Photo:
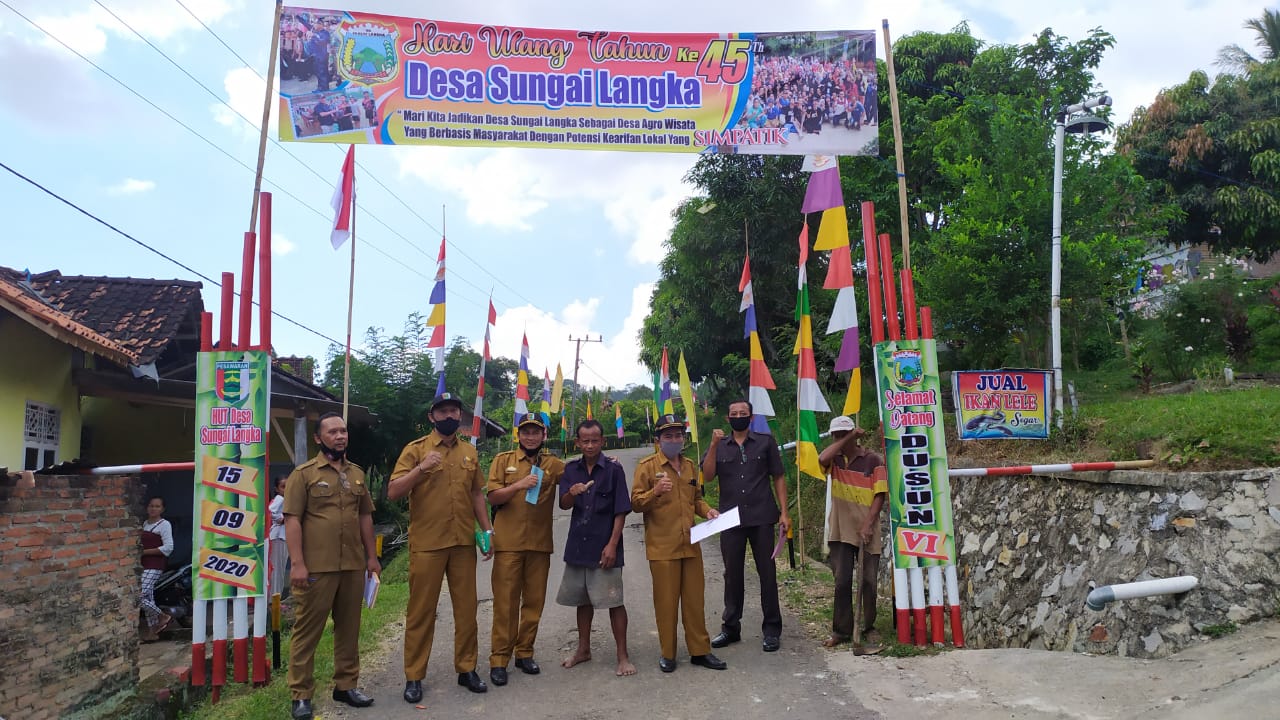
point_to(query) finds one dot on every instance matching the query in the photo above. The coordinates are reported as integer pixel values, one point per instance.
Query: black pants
(844, 557)
(733, 549)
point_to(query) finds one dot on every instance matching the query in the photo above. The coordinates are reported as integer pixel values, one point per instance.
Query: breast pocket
(321, 496)
(604, 502)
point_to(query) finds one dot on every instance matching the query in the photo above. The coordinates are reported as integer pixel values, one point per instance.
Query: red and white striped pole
(1051, 468)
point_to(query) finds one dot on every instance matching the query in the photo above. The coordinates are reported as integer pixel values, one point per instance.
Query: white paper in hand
(704, 530)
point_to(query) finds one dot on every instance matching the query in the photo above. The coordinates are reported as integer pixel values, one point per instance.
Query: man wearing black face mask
(522, 489)
(745, 462)
(442, 479)
(329, 530)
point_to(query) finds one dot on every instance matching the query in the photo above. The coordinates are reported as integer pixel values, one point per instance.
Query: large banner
(1001, 404)
(355, 77)
(233, 391)
(910, 396)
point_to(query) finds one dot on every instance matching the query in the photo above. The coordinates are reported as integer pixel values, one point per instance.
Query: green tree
(1236, 60)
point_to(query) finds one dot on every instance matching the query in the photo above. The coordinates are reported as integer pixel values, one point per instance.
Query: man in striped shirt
(858, 491)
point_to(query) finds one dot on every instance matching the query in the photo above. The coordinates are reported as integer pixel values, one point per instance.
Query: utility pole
(577, 360)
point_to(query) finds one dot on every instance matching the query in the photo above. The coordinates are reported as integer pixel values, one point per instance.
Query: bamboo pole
(273, 59)
(897, 147)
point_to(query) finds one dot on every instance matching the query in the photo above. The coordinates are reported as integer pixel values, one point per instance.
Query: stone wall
(68, 593)
(1031, 549)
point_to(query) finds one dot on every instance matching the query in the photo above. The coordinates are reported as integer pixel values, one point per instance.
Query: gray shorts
(590, 586)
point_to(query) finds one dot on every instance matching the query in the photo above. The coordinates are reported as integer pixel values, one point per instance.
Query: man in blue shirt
(595, 488)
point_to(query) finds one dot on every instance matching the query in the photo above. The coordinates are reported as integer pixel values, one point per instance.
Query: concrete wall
(69, 596)
(1031, 548)
(34, 367)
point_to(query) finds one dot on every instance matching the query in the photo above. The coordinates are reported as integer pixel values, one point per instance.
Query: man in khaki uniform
(522, 545)
(666, 491)
(328, 519)
(442, 478)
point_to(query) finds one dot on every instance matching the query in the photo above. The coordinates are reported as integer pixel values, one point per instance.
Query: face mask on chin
(739, 423)
(447, 426)
(335, 455)
(532, 453)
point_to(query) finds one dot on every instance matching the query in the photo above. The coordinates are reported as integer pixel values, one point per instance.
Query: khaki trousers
(519, 583)
(427, 571)
(677, 590)
(342, 595)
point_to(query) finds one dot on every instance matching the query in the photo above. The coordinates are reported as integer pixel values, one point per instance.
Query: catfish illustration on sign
(993, 422)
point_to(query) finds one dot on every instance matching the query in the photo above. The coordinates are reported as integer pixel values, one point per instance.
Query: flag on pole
(617, 417)
(484, 359)
(687, 399)
(557, 390)
(809, 397)
(435, 320)
(761, 382)
(657, 393)
(545, 410)
(590, 416)
(664, 396)
(522, 383)
(833, 234)
(344, 200)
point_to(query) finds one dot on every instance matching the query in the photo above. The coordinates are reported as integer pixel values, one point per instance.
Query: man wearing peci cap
(666, 492)
(858, 491)
(522, 490)
(442, 479)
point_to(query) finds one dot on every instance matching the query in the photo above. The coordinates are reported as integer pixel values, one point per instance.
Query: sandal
(164, 623)
(834, 640)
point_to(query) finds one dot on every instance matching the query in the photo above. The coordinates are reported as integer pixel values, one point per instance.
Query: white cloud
(84, 25)
(614, 361)
(244, 95)
(131, 186)
(64, 95)
(281, 245)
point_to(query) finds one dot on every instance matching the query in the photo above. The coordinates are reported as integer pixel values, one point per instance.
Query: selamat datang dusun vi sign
(354, 77)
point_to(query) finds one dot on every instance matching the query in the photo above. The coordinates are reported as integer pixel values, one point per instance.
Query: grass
(241, 702)
(808, 593)
(1220, 630)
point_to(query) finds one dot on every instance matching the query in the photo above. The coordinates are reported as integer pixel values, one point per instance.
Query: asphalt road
(794, 682)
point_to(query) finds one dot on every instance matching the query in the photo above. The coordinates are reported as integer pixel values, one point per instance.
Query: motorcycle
(173, 594)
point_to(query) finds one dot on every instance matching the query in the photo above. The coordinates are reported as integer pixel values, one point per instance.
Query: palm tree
(1238, 61)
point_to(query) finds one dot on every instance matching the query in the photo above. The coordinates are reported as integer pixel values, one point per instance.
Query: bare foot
(577, 659)
(625, 667)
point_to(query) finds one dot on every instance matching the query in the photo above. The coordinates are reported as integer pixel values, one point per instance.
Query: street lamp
(1078, 124)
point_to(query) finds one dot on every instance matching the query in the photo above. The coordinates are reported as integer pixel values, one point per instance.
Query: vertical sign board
(1001, 404)
(233, 391)
(910, 398)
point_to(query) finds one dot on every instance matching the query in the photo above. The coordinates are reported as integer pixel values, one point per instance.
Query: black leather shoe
(498, 676)
(667, 666)
(528, 666)
(413, 691)
(352, 697)
(708, 661)
(771, 644)
(471, 681)
(301, 710)
(725, 639)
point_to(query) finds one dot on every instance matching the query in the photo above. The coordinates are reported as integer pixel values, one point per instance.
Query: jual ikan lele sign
(1001, 404)
(354, 77)
(910, 397)
(232, 396)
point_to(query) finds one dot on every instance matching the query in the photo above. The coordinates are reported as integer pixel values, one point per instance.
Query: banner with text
(355, 77)
(1001, 404)
(233, 391)
(909, 391)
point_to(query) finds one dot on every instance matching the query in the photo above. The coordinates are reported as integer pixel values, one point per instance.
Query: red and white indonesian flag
(344, 197)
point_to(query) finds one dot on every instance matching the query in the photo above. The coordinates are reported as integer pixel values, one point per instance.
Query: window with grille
(41, 434)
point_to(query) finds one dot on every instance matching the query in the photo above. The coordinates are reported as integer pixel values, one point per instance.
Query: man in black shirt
(745, 462)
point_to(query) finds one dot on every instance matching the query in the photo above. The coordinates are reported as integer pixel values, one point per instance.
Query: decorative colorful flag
(617, 418)
(590, 415)
(344, 200)
(657, 393)
(760, 382)
(558, 390)
(484, 359)
(687, 399)
(435, 320)
(522, 382)
(664, 397)
(545, 410)
(809, 397)
(833, 235)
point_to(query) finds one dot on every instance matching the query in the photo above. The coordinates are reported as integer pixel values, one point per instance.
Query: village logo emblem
(232, 381)
(368, 53)
(907, 368)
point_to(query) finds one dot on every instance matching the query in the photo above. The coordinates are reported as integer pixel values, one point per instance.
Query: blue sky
(569, 241)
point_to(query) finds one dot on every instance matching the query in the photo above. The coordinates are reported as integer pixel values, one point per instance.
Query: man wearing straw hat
(666, 492)
(442, 479)
(858, 491)
(521, 490)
